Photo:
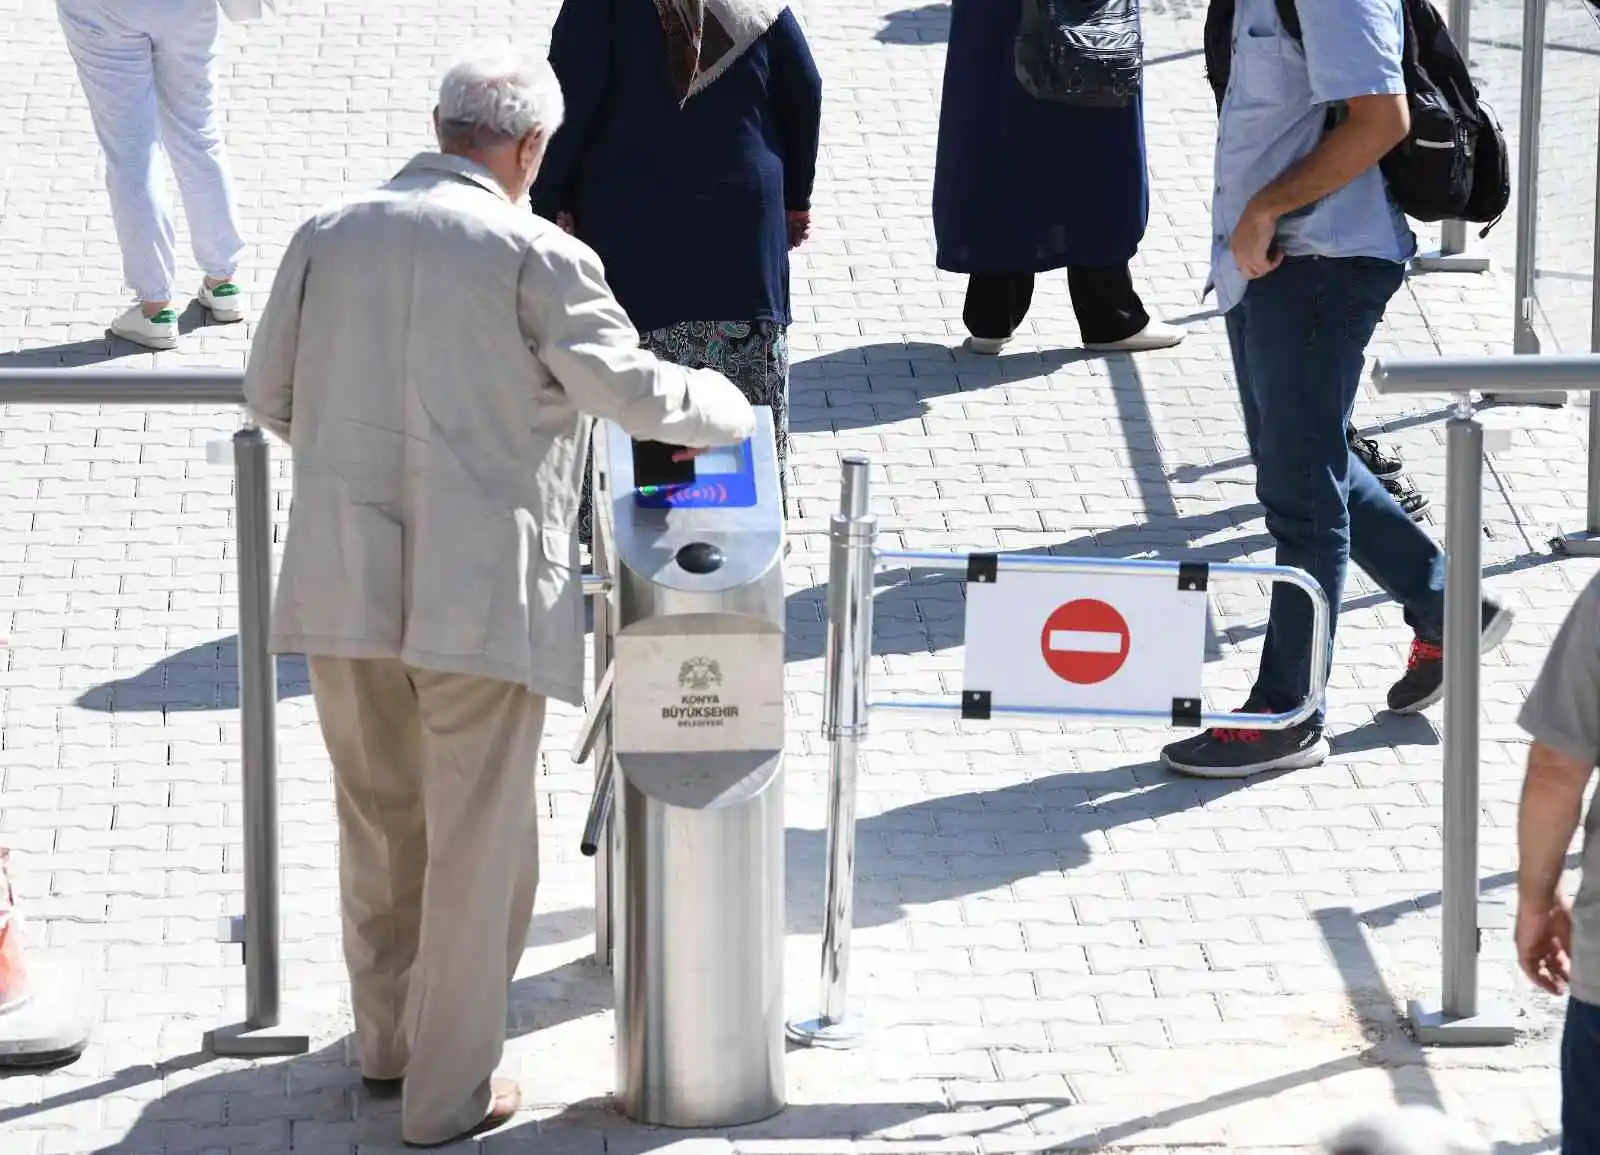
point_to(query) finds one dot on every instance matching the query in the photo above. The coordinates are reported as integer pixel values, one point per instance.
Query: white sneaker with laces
(224, 301)
(155, 332)
(1155, 335)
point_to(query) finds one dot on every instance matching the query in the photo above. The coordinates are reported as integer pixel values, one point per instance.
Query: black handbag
(1083, 52)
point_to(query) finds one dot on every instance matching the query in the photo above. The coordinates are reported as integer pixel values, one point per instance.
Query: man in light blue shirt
(1307, 249)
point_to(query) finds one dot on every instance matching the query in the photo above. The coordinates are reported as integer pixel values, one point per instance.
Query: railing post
(1459, 1021)
(1587, 543)
(1452, 256)
(258, 701)
(1524, 337)
(852, 568)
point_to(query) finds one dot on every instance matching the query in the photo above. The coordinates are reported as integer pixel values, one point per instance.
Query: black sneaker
(1411, 499)
(1423, 682)
(1241, 753)
(1384, 463)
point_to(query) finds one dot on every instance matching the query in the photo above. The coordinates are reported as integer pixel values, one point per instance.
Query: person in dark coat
(687, 162)
(1023, 186)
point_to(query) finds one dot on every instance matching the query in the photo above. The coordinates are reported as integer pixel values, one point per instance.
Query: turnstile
(687, 727)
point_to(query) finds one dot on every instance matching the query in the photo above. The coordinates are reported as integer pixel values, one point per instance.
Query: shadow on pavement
(881, 384)
(929, 24)
(72, 354)
(950, 847)
(203, 677)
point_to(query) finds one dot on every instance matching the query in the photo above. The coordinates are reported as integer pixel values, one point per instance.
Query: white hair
(497, 93)
(1409, 1130)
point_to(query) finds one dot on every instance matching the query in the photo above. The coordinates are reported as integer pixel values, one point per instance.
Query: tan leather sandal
(505, 1099)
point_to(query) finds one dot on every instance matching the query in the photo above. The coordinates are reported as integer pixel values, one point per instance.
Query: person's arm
(269, 372)
(1562, 715)
(580, 54)
(577, 328)
(797, 101)
(1552, 805)
(1353, 57)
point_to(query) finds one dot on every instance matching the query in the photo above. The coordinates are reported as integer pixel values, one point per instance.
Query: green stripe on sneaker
(165, 317)
(226, 289)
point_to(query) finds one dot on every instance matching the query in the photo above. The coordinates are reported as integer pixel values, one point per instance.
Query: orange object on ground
(13, 966)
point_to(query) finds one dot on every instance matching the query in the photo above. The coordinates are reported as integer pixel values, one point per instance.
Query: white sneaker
(1155, 335)
(157, 332)
(987, 346)
(224, 301)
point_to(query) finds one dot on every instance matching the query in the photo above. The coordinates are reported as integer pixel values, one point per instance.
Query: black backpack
(1453, 163)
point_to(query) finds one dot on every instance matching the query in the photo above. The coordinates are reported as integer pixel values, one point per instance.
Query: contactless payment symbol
(1084, 641)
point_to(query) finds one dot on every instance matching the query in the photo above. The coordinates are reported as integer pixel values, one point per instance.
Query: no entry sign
(1085, 641)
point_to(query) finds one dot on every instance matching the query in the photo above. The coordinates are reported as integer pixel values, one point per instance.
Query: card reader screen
(723, 477)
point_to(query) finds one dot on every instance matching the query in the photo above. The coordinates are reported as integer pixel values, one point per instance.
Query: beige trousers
(438, 861)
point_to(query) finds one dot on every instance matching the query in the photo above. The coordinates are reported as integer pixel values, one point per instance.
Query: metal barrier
(854, 560)
(257, 932)
(1459, 1019)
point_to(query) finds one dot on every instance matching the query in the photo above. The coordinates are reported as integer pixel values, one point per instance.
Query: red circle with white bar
(1084, 642)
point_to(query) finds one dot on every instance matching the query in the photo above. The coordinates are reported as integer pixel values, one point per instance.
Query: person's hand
(688, 454)
(1544, 943)
(1252, 245)
(565, 222)
(799, 229)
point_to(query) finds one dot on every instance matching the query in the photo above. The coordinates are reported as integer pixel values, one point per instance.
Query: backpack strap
(1289, 16)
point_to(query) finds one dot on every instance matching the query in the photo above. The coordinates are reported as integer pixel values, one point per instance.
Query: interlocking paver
(1063, 947)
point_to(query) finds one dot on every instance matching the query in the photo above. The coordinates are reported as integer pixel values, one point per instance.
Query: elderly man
(1558, 944)
(430, 350)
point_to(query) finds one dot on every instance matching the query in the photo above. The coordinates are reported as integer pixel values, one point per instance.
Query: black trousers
(1107, 307)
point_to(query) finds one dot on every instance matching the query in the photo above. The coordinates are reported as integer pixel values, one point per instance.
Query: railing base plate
(1451, 263)
(1576, 544)
(246, 1042)
(839, 1036)
(1490, 1027)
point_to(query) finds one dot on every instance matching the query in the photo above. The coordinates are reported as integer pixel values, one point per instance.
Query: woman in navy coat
(686, 162)
(1024, 186)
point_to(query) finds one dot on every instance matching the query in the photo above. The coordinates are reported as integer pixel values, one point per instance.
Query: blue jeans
(1299, 340)
(1580, 1080)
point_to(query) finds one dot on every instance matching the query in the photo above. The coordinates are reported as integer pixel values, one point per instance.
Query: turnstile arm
(588, 734)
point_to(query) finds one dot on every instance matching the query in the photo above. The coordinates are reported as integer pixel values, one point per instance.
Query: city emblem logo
(699, 675)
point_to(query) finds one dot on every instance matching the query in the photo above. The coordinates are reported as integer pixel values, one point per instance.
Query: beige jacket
(430, 350)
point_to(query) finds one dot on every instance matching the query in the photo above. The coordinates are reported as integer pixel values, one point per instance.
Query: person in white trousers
(148, 68)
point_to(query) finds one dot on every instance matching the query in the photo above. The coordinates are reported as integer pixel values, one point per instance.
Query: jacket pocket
(555, 544)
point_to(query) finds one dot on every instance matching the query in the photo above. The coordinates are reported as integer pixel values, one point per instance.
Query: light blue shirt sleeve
(1353, 47)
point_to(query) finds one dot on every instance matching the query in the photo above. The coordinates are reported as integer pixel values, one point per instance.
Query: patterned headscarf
(705, 36)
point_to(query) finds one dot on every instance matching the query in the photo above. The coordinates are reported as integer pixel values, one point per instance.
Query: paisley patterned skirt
(754, 355)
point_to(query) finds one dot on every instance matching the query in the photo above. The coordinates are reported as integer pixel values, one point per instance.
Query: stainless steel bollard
(258, 709)
(1459, 1021)
(852, 568)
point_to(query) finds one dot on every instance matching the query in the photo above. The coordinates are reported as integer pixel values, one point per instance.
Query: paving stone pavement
(1060, 945)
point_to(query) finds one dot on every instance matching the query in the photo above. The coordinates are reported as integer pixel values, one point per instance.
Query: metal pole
(1459, 1021)
(1452, 255)
(258, 705)
(1587, 542)
(852, 567)
(605, 848)
(1524, 338)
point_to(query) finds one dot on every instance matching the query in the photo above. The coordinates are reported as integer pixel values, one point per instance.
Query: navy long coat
(1021, 185)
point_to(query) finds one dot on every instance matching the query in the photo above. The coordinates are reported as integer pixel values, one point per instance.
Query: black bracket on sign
(975, 705)
(1193, 576)
(1186, 712)
(983, 568)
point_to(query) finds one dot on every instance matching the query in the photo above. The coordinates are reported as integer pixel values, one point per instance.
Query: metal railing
(1453, 255)
(1459, 1019)
(258, 931)
(853, 562)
